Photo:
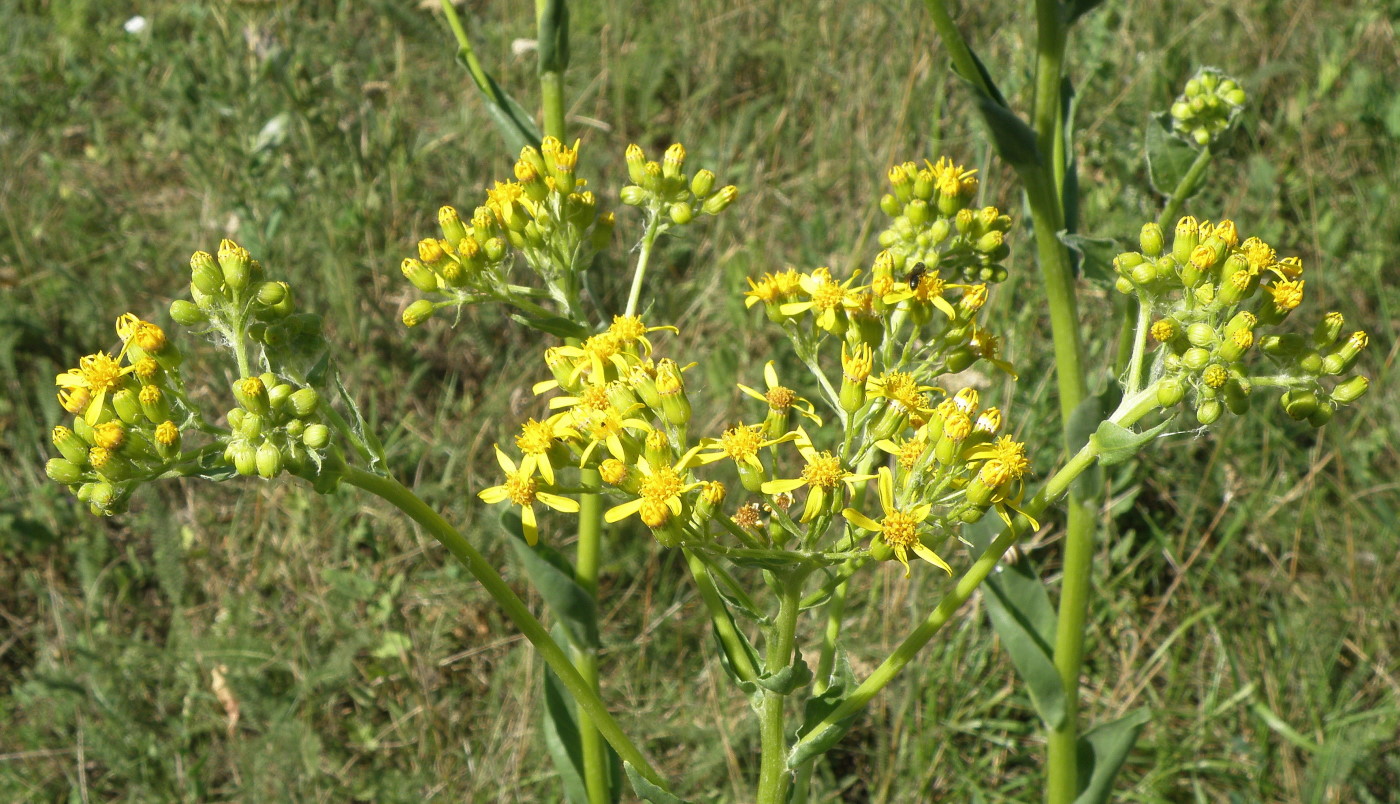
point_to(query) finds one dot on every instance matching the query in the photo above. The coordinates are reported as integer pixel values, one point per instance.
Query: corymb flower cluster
(1210, 104)
(129, 413)
(936, 463)
(132, 412)
(1214, 299)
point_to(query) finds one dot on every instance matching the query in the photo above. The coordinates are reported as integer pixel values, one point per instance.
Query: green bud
(1202, 334)
(100, 495)
(1237, 396)
(62, 470)
(1170, 392)
(269, 460)
(154, 404)
(278, 395)
(1124, 263)
(1299, 404)
(917, 212)
(1151, 239)
(1144, 273)
(304, 402)
(681, 213)
(419, 275)
(250, 425)
(452, 228)
(187, 313)
(1322, 415)
(1328, 330)
(1209, 411)
(205, 273)
(418, 312)
(1195, 358)
(1350, 390)
(1185, 240)
(495, 249)
(235, 262)
(718, 202)
(1344, 355)
(317, 436)
(70, 446)
(633, 196)
(270, 293)
(1123, 285)
(127, 406)
(703, 183)
(251, 393)
(636, 164)
(243, 456)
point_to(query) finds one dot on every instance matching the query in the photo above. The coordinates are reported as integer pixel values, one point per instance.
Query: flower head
(520, 488)
(899, 528)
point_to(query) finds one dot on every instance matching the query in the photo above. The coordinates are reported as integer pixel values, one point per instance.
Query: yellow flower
(898, 528)
(830, 300)
(629, 329)
(823, 475)
(779, 398)
(520, 488)
(85, 388)
(659, 492)
(535, 441)
(740, 444)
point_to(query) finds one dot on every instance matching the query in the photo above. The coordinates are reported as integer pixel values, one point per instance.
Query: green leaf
(647, 791)
(362, 436)
(1094, 256)
(1021, 613)
(515, 124)
(817, 707)
(1011, 136)
(553, 40)
(1101, 753)
(787, 680)
(1083, 423)
(554, 325)
(1117, 444)
(561, 736)
(1168, 158)
(728, 661)
(553, 577)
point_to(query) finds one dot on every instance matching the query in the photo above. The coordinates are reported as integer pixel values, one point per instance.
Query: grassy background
(1244, 590)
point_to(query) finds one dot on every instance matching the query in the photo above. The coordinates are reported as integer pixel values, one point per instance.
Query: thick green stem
(719, 618)
(1132, 409)
(514, 608)
(552, 96)
(773, 774)
(590, 532)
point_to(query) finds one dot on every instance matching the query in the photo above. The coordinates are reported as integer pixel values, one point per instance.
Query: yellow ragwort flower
(520, 488)
(898, 528)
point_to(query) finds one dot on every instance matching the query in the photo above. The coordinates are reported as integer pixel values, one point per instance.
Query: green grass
(1244, 588)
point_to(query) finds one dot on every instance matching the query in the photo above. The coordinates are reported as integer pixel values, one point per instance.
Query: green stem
(1062, 759)
(773, 774)
(551, 22)
(643, 257)
(590, 531)
(588, 701)
(1132, 409)
(719, 618)
(552, 96)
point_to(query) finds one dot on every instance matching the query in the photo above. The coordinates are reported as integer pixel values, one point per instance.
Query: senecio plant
(868, 456)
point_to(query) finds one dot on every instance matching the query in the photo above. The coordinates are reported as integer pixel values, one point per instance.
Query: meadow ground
(1244, 586)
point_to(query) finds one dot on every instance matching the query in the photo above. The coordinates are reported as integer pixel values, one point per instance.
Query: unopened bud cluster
(1208, 107)
(231, 295)
(1214, 298)
(546, 215)
(129, 411)
(276, 427)
(934, 224)
(668, 191)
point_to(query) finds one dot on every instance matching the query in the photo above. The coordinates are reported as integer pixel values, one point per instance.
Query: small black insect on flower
(916, 274)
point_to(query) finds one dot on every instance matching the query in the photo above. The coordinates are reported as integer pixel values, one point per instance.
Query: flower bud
(187, 313)
(1237, 396)
(1322, 415)
(100, 495)
(269, 460)
(673, 162)
(70, 446)
(251, 393)
(1151, 239)
(61, 470)
(167, 440)
(718, 202)
(303, 402)
(205, 273)
(418, 312)
(495, 249)
(1344, 355)
(127, 406)
(703, 183)
(675, 407)
(451, 223)
(636, 163)
(316, 436)
(1170, 392)
(243, 456)
(681, 213)
(1328, 330)
(917, 212)
(109, 464)
(278, 395)
(1186, 238)
(1299, 404)
(154, 404)
(1350, 390)
(1195, 358)
(1209, 411)
(234, 262)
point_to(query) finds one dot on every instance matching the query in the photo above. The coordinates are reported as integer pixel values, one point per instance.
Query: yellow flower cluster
(1213, 295)
(124, 407)
(545, 214)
